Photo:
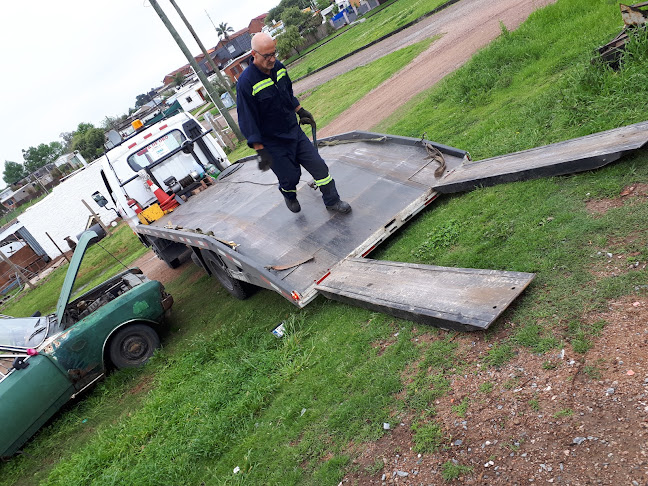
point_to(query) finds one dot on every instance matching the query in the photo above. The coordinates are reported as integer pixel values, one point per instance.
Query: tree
(37, 157)
(322, 4)
(223, 30)
(67, 141)
(293, 16)
(89, 141)
(277, 12)
(289, 40)
(178, 79)
(144, 98)
(13, 172)
(141, 100)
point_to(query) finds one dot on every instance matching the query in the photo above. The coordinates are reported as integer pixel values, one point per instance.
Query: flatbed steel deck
(386, 180)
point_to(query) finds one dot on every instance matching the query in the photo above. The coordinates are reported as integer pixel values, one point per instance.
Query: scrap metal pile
(635, 17)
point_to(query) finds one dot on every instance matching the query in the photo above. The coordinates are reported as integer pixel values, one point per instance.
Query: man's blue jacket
(266, 105)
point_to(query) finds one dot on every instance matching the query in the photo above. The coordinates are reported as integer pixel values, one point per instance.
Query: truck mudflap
(461, 299)
(576, 155)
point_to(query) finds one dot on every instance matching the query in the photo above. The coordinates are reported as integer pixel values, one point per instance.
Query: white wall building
(188, 96)
(63, 213)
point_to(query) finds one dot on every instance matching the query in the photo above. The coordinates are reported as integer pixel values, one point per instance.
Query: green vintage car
(47, 360)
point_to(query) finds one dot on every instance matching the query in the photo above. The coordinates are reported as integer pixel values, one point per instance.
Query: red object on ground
(166, 202)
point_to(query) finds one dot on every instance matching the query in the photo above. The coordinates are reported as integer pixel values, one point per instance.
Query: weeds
(499, 354)
(486, 387)
(451, 471)
(565, 412)
(592, 371)
(462, 408)
(428, 437)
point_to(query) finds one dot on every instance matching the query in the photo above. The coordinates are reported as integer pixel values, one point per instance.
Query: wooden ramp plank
(462, 299)
(576, 155)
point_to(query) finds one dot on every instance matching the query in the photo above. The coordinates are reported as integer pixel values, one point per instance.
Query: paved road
(465, 27)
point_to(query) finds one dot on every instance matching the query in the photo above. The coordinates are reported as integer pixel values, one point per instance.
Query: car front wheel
(133, 345)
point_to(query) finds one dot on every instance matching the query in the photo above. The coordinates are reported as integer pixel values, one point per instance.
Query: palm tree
(223, 30)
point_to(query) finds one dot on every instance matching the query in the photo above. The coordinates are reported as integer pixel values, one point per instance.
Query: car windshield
(24, 332)
(155, 150)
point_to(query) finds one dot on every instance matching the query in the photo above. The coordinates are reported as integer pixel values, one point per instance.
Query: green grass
(564, 413)
(224, 393)
(462, 408)
(451, 471)
(381, 23)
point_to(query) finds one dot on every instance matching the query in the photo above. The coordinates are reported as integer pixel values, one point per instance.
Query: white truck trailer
(237, 228)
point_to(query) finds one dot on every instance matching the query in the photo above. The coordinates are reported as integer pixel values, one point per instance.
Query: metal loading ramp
(462, 299)
(576, 155)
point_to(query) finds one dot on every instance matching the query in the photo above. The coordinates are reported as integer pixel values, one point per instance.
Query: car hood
(66, 290)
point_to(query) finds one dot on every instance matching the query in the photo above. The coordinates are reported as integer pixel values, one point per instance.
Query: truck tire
(239, 289)
(133, 345)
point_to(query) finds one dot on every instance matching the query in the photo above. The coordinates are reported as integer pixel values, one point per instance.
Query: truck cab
(174, 154)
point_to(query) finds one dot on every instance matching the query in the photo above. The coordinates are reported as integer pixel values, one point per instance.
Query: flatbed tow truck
(239, 231)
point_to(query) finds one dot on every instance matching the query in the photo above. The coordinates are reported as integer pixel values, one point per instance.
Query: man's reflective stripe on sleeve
(266, 83)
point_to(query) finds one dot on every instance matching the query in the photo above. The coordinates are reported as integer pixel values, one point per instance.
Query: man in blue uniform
(266, 114)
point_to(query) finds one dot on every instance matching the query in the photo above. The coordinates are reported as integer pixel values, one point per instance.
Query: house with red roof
(231, 55)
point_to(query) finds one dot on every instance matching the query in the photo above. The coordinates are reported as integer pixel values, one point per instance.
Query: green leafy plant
(451, 471)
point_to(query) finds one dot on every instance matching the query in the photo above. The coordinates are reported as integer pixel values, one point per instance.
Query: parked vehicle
(47, 360)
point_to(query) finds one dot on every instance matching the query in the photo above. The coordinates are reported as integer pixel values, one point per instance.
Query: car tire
(133, 345)
(237, 288)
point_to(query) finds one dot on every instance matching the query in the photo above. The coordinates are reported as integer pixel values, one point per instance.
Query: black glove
(265, 159)
(305, 118)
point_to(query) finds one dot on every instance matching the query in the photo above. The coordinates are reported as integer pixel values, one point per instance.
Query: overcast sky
(75, 61)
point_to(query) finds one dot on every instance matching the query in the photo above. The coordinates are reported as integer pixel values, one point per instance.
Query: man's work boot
(293, 205)
(340, 207)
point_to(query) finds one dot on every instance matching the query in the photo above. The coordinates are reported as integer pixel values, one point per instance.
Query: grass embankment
(224, 393)
(375, 26)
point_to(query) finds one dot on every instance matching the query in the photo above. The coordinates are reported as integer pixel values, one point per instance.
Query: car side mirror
(19, 363)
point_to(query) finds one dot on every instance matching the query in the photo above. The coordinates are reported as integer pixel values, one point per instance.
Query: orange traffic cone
(166, 202)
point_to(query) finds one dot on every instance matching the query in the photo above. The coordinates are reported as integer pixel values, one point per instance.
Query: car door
(28, 398)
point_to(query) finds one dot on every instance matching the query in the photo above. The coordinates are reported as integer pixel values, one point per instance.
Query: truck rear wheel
(239, 289)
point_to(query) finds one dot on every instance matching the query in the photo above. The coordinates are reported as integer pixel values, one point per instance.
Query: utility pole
(222, 80)
(203, 79)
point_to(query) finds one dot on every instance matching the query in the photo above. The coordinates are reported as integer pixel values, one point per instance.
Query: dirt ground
(558, 418)
(465, 27)
(156, 269)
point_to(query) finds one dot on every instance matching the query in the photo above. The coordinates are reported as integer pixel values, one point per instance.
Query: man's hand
(305, 118)
(265, 159)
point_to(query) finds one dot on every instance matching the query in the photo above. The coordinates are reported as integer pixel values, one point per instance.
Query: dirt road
(465, 27)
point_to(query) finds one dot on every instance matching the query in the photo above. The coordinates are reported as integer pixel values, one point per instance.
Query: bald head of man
(264, 52)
